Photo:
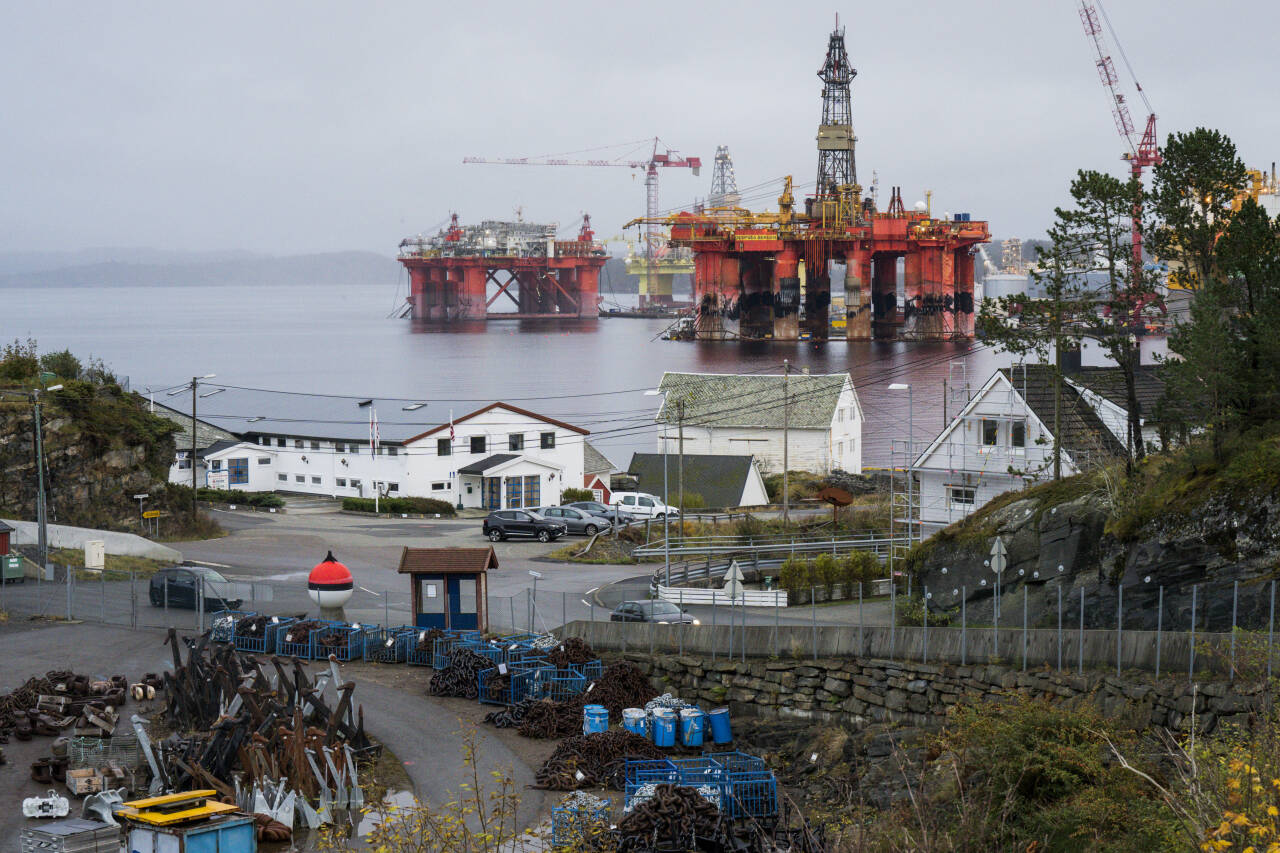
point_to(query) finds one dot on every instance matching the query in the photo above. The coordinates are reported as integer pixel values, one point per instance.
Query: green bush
(569, 496)
(796, 575)
(910, 611)
(826, 570)
(18, 361)
(858, 567)
(425, 506)
(235, 496)
(61, 364)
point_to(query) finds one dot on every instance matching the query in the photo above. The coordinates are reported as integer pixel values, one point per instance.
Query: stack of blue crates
(390, 645)
(443, 646)
(298, 648)
(265, 643)
(751, 789)
(222, 625)
(559, 683)
(520, 680)
(350, 645)
(640, 773)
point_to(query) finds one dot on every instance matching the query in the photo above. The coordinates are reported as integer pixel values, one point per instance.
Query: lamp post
(666, 528)
(911, 458)
(194, 386)
(42, 512)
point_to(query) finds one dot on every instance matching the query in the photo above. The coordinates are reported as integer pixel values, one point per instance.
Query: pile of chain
(427, 639)
(667, 700)
(595, 760)
(334, 638)
(512, 716)
(252, 626)
(299, 632)
(677, 818)
(622, 685)
(547, 719)
(572, 650)
(546, 641)
(461, 677)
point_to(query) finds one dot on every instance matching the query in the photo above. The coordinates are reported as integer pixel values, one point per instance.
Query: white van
(641, 505)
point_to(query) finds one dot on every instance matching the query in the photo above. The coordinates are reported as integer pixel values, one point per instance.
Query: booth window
(431, 595)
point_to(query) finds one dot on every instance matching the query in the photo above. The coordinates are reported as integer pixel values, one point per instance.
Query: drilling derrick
(837, 171)
(724, 185)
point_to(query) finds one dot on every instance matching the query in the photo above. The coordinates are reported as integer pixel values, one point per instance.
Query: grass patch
(116, 566)
(605, 552)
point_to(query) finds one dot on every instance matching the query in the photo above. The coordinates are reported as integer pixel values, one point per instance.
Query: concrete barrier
(121, 544)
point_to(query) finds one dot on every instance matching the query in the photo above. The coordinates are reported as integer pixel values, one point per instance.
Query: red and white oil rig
(768, 275)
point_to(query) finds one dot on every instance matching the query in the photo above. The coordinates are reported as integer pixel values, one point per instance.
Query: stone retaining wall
(857, 691)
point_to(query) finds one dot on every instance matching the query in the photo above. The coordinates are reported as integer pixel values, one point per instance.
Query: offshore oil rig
(450, 272)
(768, 275)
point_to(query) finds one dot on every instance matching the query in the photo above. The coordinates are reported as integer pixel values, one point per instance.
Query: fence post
(133, 602)
(1024, 627)
(924, 654)
(964, 634)
(102, 594)
(564, 611)
(730, 625)
(386, 609)
(682, 625)
(1119, 622)
(1235, 601)
(71, 578)
(1271, 628)
(511, 600)
(862, 648)
(715, 642)
(1191, 667)
(1159, 626)
(1059, 624)
(742, 641)
(776, 619)
(1080, 636)
(592, 605)
(651, 621)
(813, 610)
(893, 613)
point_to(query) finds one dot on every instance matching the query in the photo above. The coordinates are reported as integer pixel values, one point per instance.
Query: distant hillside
(200, 270)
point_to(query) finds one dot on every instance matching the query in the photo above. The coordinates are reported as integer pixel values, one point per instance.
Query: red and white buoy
(330, 585)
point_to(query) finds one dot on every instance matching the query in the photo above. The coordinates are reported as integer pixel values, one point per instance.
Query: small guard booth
(449, 586)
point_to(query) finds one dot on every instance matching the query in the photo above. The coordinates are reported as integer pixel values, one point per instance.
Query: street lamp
(666, 530)
(195, 382)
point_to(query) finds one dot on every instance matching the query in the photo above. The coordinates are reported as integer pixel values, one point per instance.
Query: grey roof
(1108, 382)
(4, 528)
(752, 400)
(1082, 432)
(221, 444)
(720, 480)
(593, 461)
(206, 433)
(488, 462)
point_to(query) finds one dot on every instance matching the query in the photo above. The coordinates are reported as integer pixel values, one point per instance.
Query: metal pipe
(1024, 627)
(813, 608)
(1159, 626)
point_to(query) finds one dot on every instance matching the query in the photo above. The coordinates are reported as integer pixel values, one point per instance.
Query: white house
(1002, 439)
(726, 414)
(496, 456)
(207, 435)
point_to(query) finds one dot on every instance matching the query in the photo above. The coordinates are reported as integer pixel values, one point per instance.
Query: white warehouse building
(725, 414)
(498, 456)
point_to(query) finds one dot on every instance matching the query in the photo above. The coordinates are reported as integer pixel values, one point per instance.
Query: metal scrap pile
(300, 632)
(427, 639)
(512, 716)
(252, 626)
(461, 677)
(667, 700)
(622, 685)
(261, 723)
(572, 650)
(679, 818)
(46, 706)
(594, 760)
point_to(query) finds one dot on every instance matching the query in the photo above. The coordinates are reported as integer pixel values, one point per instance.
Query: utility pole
(786, 434)
(42, 520)
(194, 384)
(680, 465)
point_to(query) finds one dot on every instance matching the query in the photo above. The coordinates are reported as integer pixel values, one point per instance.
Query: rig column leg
(963, 305)
(887, 320)
(857, 296)
(936, 270)
(817, 301)
(466, 297)
(417, 292)
(588, 291)
(913, 293)
(786, 296)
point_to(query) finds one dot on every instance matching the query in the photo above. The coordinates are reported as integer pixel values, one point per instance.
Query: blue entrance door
(462, 602)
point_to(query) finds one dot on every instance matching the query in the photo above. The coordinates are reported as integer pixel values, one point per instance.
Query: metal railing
(773, 544)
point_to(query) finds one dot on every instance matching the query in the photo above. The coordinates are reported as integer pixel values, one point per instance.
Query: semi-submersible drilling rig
(749, 267)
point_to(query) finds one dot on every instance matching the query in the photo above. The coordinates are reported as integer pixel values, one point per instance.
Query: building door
(463, 613)
(532, 490)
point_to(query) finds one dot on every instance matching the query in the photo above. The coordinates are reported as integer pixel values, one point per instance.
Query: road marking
(207, 563)
(593, 589)
(585, 602)
(371, 592)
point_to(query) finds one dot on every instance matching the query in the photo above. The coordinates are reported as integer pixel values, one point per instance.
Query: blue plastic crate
(592, 669)
(559, 684)
(266, 642)
(697, 772)
(751, 793)
(444, 646)
(737, 762)
(222, 625)
(350, 645)
(570, 826)
(642, 773)
(391, 645)
(519, 684)
(296, 649)
(368, 633)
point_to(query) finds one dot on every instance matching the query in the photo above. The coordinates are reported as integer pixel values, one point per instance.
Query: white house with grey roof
(497, 456)
(728, 414)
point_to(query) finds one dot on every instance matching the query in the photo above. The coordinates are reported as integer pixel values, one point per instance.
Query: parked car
(177, 587)
(661, 612)
(642, 505)
(575, 520)
(502, 523)
(597, 508)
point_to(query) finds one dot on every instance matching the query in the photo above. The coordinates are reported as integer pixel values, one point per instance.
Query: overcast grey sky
(312, 126)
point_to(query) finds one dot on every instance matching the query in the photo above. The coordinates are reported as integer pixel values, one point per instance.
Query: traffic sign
(999, 556)
(151, 513)
(733, 580)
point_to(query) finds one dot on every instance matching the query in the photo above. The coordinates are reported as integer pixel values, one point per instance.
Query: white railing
(747, 598)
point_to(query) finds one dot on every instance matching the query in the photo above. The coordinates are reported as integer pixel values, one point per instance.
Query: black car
(521, 522)
(596, 508)
(662, 612)
(177, 587)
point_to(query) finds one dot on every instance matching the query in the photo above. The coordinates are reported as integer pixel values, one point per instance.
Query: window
(629, 500)
(299, 478)
(262, 439)
(444, 447)
(315, 481)
(280, 442)
(1018, 434)
(315, 445)
(339, 447)
(284, 478)
(646, 502)
(439, 487)
(355, 484)
(393, 451)
(340, 482)
(377, 451)
(840, 416)
(393, 487)
(264, 460)
(215, 465)
(963, 496)
(548, 440)
(515, 441)
(297, 444)
(839, 448)
(477, 444)
(990, 432)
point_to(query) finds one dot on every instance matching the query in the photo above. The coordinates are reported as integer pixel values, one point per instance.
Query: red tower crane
(1142, 152)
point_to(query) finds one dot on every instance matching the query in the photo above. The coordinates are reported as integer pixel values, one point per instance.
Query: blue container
(595, 719)
(664, 727)
(266, 642)
(721, 732)
(635, 720)
(691, 726)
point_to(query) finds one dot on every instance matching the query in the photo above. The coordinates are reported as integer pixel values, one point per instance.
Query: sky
(296, 127)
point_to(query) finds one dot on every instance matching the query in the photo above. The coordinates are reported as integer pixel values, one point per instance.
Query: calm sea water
(339, 340)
